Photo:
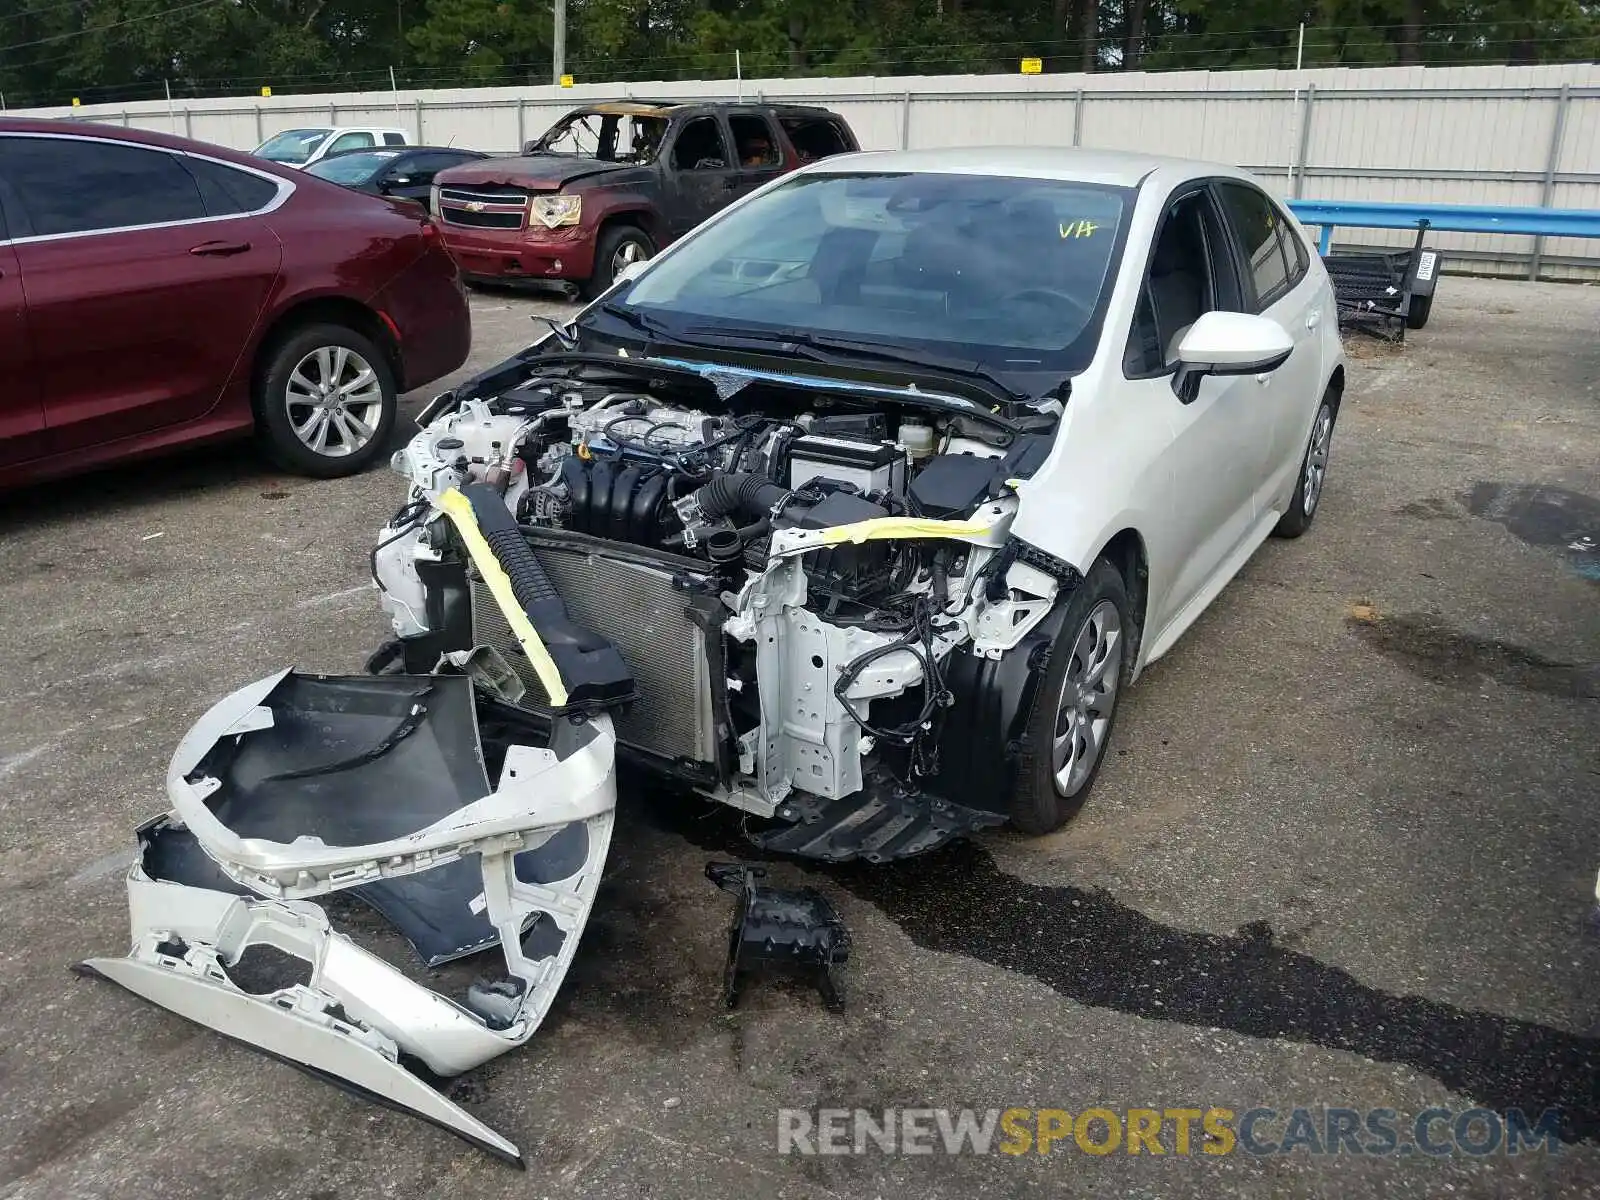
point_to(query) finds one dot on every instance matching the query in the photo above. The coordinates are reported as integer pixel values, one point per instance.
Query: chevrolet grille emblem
(475, 206)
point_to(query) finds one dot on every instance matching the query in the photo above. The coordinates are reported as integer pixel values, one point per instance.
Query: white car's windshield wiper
(638, 320)
(832, 347)
(711, 339)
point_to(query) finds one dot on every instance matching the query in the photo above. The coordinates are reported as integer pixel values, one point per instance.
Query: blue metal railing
(1445, 218)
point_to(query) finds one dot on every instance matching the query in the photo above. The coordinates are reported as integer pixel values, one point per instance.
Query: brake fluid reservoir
(917, 438)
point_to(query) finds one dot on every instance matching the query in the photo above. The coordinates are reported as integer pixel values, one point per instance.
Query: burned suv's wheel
(1313, 474)
(1090, 663)
(619, 245)
(326, 400)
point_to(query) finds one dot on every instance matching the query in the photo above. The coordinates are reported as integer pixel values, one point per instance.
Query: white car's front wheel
(1076, 707)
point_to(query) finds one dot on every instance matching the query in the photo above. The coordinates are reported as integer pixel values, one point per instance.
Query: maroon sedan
(157, 292)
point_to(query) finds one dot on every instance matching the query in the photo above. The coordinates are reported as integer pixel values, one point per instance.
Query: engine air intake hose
(595, 673)
(743, 492)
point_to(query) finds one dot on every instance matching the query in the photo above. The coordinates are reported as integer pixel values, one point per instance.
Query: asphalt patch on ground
(1091, 948)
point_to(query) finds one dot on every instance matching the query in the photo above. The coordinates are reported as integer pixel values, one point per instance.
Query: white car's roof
(1116, 168)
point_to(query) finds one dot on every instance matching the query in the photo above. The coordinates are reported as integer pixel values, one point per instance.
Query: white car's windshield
(292, 145)
(1012, 274)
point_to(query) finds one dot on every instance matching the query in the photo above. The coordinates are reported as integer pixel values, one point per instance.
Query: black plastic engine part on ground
(786, 931)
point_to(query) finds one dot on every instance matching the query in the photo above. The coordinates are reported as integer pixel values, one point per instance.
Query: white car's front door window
(1217, 455)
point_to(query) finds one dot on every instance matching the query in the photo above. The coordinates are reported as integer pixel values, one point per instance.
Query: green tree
(490, 41)
(51, 50)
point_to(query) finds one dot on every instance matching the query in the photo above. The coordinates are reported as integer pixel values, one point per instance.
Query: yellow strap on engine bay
(459, 509)
(798, 541)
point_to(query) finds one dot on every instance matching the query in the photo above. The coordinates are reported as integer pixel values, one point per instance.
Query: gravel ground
(1343, 856)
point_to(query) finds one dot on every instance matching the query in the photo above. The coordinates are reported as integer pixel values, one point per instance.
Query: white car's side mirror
(1228, 343)
(631, 270)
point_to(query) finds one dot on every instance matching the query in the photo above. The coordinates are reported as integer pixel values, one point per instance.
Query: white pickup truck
(302, 147)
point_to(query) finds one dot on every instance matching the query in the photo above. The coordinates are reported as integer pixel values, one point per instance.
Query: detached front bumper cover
(298, 786)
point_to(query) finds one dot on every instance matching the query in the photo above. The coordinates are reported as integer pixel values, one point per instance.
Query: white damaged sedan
(857, 510)
(888, 480)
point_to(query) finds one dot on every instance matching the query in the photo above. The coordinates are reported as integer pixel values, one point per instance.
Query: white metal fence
(1455, 135)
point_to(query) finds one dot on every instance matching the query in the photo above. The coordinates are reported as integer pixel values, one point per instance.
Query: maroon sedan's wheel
(326, 401)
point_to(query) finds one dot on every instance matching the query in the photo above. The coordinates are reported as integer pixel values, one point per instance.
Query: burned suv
(613, 183)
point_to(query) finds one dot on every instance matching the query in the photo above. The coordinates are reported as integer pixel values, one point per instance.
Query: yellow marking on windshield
(1078, 229)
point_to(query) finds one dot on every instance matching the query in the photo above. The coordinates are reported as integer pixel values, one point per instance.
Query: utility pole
(558, 68)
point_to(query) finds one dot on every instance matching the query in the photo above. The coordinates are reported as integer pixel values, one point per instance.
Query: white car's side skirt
(1190, 612)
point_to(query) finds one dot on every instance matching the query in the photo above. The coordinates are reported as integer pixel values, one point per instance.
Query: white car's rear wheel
(1313, 474)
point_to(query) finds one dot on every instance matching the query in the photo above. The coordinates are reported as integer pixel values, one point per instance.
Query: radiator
(637, 606)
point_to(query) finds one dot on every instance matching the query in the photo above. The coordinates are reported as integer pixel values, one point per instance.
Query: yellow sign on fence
(76, 103)
(266, 91)
(1032, 66)
(566, 81)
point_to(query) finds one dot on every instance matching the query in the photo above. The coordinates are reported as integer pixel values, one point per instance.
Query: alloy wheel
(1317, 458)
(629, 252)
(1088, 698)
(335, 401)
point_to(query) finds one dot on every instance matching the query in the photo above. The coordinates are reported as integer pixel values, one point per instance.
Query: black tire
(1418, 311)
(1042, 802)
(279, 410)
(1301, 513)
(610, 252)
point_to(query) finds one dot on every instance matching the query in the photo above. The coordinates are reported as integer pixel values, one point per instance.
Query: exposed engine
(842, 555)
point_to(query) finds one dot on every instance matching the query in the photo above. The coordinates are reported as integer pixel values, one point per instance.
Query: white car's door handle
(1313, 318)
(1264, 379)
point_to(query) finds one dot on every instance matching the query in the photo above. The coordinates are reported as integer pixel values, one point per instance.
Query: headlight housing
(557, 210)
(433, 200)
